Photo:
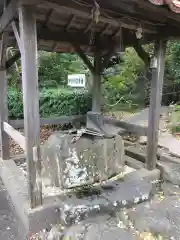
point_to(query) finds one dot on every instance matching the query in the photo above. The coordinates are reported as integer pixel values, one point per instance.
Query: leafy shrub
(53, 102)
(175, 118)
(15, 104)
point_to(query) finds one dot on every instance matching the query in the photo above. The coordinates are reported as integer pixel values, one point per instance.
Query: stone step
(133, 188)
(133, 163)
(100, 228)
(160, 217)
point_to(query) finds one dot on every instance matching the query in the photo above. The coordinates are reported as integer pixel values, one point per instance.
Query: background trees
(123, 84)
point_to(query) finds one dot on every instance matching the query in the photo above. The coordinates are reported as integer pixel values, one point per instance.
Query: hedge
(53, 102)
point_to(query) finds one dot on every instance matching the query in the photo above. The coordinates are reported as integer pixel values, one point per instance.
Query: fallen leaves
(45, 132)
(149, 236)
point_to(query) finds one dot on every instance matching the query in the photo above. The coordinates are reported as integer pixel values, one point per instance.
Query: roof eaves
(174, 5)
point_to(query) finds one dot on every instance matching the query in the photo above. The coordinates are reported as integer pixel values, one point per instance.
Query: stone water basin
(89, 160)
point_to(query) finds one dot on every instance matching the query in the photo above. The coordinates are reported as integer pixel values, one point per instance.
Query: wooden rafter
(48, 16)
(54, 47)
(70, 22)
(16, 33)
(85, 59)
(90, 24)
(104, 30)
(107, 59)
(8, 15)
(142, 53)
(85, 13)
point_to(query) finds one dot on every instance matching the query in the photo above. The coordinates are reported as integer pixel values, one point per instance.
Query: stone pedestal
(88, 160)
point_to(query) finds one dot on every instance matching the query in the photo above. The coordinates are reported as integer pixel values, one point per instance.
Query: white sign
(77, 80)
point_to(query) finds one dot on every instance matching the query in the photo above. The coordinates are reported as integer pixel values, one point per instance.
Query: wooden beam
(85, 59)
(85, 12)
(8, 15)
(3, 46)
(112, 49)
(106, 59)
(142, 53)
(108, 56)
(70, 22)
(155, 104)
(54, 47)
(81, 39)
(16, 34)
(15, 135)
(90, 24)
(31, 102)
(48, 16)
(4, 139)
(96, 89)
(12, 60)
(105, 29)
(74, 38)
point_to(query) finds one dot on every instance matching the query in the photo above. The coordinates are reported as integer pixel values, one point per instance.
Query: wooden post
(96, 90)
(4, 138)
(155, 104)
(28, 36)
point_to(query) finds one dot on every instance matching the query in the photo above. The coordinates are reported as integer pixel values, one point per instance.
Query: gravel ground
(10, 227)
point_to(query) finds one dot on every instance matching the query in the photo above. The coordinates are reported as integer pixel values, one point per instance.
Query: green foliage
(54, 68)
(123, 83)
(173, 60)
(175, 118)
(53, 102)
(15, 104)
(57, 102)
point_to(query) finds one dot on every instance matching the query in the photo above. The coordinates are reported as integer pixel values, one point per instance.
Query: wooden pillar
(155, 103)
(28, 38)
(96, 90)
(4, 138)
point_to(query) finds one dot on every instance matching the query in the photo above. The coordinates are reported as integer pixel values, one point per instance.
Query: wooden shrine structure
(98, 28)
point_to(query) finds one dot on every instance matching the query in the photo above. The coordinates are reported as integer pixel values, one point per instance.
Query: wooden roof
(174, 5)
(63, 25)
